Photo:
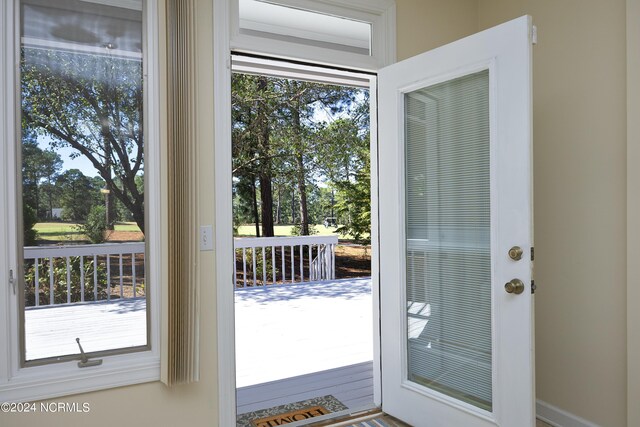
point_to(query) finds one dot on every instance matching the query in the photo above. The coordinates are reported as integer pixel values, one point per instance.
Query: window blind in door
(447, 143)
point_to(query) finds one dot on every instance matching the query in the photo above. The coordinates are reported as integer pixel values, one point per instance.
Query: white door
(455, 198)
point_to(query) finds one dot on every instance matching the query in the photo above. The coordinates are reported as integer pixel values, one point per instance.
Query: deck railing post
(264, 266)
(253, 257)
(95, 277)
(108, 277)
(52, 289)
(273, 263)
(82, 278)
(244, 267)
(37, 281)
(68, 281)
(133, 274)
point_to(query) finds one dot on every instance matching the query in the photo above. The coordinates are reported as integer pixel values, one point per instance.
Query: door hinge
(12, 281)
(533, 286)
(532, 254)
(534, 35)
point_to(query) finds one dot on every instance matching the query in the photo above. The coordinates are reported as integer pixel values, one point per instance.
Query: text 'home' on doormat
(291, 417)
(290, 413)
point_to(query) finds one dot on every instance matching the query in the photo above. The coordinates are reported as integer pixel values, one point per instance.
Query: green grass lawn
(67, 231)
(285, 230)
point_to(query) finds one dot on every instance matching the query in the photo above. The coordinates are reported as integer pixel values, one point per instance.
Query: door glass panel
(447, 145)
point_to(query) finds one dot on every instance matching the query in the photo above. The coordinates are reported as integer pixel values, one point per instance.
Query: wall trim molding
(558, 417)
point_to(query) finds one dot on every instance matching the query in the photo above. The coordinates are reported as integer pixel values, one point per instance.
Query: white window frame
(226, 41)
(53, 380)
(380, 14)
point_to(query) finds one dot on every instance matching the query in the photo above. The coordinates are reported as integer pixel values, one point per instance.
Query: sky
(80, 162)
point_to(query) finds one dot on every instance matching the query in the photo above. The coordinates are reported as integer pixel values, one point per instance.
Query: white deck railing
(77, 268)
(280, 260)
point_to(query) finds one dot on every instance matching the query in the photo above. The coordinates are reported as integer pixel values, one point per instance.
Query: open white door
(456, 233)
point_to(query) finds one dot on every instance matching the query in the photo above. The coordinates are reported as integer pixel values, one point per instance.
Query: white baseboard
(559, 418)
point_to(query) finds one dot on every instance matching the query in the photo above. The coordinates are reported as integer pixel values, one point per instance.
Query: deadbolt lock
(515, 253)
(514, 286)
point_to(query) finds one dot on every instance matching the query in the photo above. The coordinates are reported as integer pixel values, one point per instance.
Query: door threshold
(355, 418)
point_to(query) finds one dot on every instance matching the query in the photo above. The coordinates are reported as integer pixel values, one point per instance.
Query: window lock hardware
(84, 360)
(12, 281)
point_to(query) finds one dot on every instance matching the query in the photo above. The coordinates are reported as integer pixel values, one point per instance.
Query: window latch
(12, 281)
(84, 360)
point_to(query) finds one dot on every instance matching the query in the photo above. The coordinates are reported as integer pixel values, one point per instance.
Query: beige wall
(427, 24)
(633, 212)
(580, 208)
(580, 201)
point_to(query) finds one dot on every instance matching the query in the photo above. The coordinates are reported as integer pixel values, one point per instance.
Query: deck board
(351, 385)
(296, 342)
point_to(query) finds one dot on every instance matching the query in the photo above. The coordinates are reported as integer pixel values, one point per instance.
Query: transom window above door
(356, 34)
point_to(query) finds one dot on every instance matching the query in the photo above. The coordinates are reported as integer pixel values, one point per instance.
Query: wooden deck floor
(52, 331)
(301, 341)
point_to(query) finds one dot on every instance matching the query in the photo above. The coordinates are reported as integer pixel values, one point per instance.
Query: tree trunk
(266, 191)
(50, 197)
(109, 199)
(38, 201)
(293, 206)
(278, 212)
(333, 202)
(302, 188)
(256, 218)
(266, 197)
(138, 217)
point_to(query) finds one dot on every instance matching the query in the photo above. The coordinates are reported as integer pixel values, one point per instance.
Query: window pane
(448, 239)
(82, 177)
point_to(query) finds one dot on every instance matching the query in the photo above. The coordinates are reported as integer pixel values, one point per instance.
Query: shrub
(29, 219)
(95, 227)
(296, 230)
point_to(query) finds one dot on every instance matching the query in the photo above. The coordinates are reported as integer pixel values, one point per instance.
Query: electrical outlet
(206, 238)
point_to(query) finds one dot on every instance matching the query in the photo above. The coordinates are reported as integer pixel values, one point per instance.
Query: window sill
(45, 382)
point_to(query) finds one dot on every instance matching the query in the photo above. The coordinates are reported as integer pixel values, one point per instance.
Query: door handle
(514, 286)
(515, 253)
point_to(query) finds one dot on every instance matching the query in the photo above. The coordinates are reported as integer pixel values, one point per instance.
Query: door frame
(223, 228)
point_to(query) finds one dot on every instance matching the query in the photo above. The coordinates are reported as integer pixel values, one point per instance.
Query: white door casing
(503, 54)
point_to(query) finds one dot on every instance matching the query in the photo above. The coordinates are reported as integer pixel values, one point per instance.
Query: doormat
(290, 413)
